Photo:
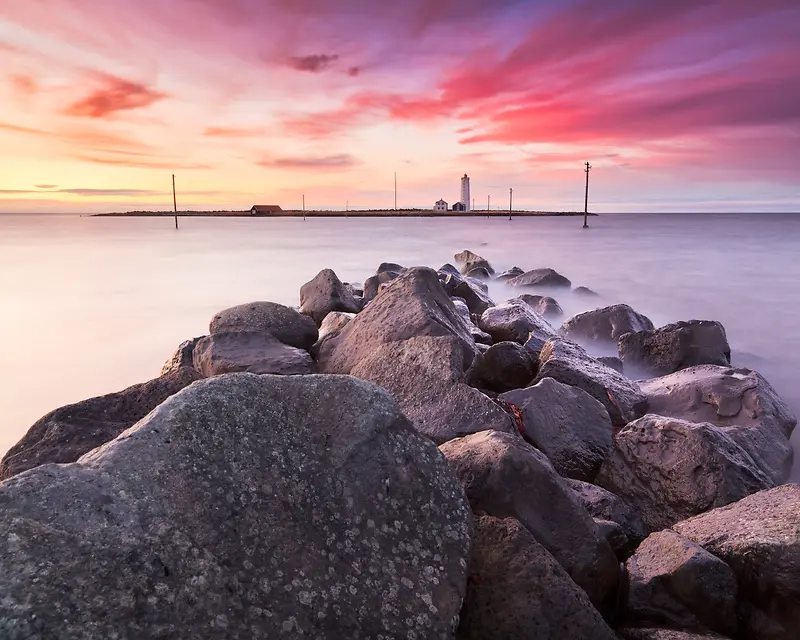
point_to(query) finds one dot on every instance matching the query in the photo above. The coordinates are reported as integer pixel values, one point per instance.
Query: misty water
(92, 305)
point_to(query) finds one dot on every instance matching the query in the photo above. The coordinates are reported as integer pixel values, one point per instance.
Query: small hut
(265, 209)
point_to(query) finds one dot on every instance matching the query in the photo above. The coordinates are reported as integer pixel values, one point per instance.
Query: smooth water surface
(92, 305)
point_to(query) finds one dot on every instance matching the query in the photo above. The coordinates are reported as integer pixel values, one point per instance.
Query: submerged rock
(739, 400)
(669, 469)
(567, 424)
(759, 538)
(287, 325)
(586, 292)
(412, 341)
(182, 356)
(251, 352)
(540, 278)
(602, 504)
(569, 363)
(244, 506)
(517, 590)
(65, 434)
(514, 321)
(674, 347)
(478, 272)
(676, 583)
(503, 476)
(605, 325)
(504, 366)
(513, 272)
(326, 293)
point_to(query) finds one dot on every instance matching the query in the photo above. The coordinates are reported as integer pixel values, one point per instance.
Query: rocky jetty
(414, 458)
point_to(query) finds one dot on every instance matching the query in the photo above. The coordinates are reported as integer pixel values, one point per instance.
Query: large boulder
(251, 352)
(570, 364)
(326, 293)
(467, 256)
(565, 423)
(65, 434)
(504, 366)
(669, 469)
(676, 583)
(334, 322)
(372, 285)
(468, 289)
(517, 590)
(739, 400)
(540, 278)
(513, 272)
(545, 306)
(503, 476)
(411, 341)
(284, 323)
(602, 504)
(390, 266)
(660, 352)
(514, 321)
(605, 325)
(182, 357)
(759, 538)
(243, 507)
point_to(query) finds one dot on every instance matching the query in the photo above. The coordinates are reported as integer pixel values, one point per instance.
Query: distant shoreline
(374, 213)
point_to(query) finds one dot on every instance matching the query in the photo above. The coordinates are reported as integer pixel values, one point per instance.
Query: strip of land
(371, 213)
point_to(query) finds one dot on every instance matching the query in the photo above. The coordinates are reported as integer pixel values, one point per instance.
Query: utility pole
(510, 197)
(174, 201)
(304, 206)
(395, 190)
(488, 205)
(473, 204)
(586, 202)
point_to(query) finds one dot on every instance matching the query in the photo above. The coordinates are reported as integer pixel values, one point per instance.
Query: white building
(440, 205)
(465, 192)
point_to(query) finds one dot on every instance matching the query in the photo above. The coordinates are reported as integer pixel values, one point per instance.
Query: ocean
(92, 305)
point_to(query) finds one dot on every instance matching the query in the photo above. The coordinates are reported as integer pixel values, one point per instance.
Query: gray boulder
(245, 506)
(674, 347)
(514, 321)
(540, 278)
(390, 266)
(334, 322)
(469, 290)
(251, 352)
(466, 256)
(513, 272)
(613, 362)
(565, 423)
(287, 325)
(373, 284)
(605, 325)
(517, 590)
(614, 535)
(503, 476)
(759, 538)
(326, 293)
(674, 582)
(446, 270)
(65, 434)
(669, 469)
(585, 292)
(478, 272)
(604, 505)
(739, 400)
(412, 341)
(504, 366)
(545, 306)
(480, 337)
(182, 356)
(570, 364)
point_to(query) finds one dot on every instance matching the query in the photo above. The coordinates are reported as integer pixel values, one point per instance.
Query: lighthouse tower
(465, 199)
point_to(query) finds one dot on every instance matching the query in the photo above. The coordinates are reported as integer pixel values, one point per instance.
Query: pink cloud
(115, 95)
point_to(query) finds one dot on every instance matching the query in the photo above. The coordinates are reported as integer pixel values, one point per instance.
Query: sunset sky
(680, 105)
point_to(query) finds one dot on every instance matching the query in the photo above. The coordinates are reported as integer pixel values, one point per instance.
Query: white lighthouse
(465, 193)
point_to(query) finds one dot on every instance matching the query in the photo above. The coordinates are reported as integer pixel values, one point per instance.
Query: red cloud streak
(117, 95)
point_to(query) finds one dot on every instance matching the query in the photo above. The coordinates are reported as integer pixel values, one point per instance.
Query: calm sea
(92, 305)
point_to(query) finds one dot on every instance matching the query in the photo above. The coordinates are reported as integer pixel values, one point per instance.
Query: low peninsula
(358, 213)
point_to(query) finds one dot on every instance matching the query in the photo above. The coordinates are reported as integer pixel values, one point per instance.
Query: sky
(686, 105)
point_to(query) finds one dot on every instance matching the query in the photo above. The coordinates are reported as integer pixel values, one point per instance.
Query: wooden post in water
(510, 197)
(586, 201)
(174, 201)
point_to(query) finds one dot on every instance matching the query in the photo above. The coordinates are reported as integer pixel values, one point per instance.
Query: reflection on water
(91, 305)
